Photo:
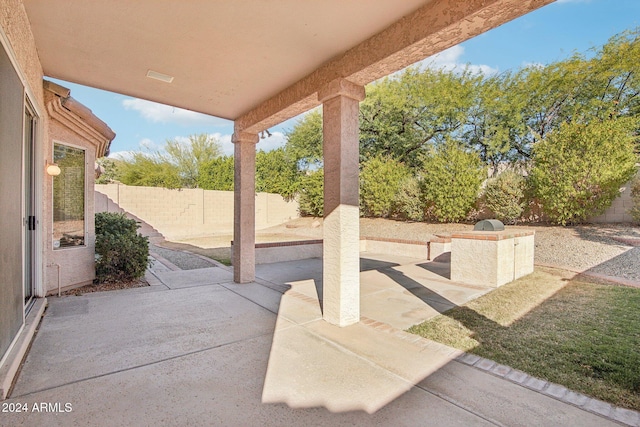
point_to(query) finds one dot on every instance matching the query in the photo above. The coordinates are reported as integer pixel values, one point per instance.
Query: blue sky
(546, 35)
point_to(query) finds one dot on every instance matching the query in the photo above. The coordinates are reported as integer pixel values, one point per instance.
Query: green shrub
(311, 194)
(504, 195)
(121, 253)
(380, 180)
(408, 203)
(579, 168)
(635, 197)
(452, 178)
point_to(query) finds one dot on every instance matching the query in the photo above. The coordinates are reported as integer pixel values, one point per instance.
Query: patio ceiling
(253, 61)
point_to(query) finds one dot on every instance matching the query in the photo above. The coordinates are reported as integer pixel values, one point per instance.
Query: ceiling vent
(159, 76)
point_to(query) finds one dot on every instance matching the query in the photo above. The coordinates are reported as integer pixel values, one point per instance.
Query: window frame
(85, 230)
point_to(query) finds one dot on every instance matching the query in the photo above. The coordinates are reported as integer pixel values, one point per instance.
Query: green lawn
(583, 335)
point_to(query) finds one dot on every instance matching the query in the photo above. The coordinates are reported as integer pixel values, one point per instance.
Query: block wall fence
(619, 209)
(184, 213)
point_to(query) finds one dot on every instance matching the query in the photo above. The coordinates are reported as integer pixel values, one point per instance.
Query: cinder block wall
(187, 213)
(619, 210)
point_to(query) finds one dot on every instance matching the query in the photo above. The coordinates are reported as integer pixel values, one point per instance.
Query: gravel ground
(184, 260)
(581, 248)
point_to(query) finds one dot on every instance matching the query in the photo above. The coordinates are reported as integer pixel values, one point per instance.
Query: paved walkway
(196, 349)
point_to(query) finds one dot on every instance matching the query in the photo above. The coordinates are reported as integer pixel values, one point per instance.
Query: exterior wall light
(53, 169)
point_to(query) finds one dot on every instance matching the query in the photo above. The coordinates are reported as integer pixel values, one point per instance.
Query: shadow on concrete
(441, 265)
(426, 295)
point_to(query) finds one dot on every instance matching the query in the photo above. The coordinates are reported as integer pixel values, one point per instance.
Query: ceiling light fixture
(262, 134)
(159, 76)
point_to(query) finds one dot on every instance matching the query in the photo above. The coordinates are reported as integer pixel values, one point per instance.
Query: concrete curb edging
(612, 279)
(621, 415)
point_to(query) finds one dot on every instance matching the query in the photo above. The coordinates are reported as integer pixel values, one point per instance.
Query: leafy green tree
(304, 142)
(217, 174)
(177, 166)
(495, 120)
(452, 178)
(579, 169)
(405, 115)
(189, 157)
(380, 180)
(505, 196)
(149, 171)
(311, 195)
(109, 170)
(276, 173)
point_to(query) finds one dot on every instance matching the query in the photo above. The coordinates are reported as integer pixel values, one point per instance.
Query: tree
(495, 122)
(276, 173)
(190, 156)
(380, 180)
(217, 174)
(451, 182)
(304, 142)
(178, 165)
(109, 170)
(579, 168)
(405, 115)
(149, 171)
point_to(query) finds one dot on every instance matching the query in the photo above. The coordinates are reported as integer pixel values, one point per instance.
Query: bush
(452, 178)
(635, 197)
(380, 180)
(408, 203)
(504, 195)
(312, 194)
(579, 168)
(121, 253)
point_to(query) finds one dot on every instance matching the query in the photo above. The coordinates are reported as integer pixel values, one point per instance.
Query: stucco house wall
(57, 117)
(20, 74)
(76, 264)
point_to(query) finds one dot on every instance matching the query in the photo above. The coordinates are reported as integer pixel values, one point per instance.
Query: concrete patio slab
(399, 309)
(189, 278)
(221, 386)
(97, 334)
(252, 355)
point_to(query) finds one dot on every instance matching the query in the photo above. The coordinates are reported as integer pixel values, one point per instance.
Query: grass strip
(581, 334)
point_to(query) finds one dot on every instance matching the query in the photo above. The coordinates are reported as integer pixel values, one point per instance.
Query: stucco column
(244, 207)
(341, 250)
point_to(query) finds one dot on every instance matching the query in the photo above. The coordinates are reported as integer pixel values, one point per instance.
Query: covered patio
(260, 63)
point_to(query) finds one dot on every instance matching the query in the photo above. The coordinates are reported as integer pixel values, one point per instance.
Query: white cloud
(225, 143)
(450, 59)
(276, 140)
(147, 144)
(121, 155)
(154, 112)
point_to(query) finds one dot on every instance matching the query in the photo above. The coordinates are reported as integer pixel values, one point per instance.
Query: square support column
(244, 207)
(341, 250)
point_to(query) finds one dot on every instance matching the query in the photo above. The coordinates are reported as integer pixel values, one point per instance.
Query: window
(68, 197)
